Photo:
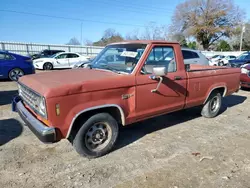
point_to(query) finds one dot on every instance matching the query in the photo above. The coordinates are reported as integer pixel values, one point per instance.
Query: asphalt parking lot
(178, 150)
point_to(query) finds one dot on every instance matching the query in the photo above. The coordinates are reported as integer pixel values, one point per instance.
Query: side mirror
(159, 71)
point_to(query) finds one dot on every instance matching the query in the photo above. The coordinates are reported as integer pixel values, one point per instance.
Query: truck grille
(29, 97)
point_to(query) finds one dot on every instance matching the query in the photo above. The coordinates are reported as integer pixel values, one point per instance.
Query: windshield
(54, 55)
(242, 56)
(214, 56)
(120, 58)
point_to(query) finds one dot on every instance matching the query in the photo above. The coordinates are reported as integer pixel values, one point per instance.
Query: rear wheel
(47, 66)
(97, 136)
(15, 73)
(212, 107)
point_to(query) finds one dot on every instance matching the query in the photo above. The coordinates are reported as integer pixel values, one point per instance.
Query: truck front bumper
(44, 133)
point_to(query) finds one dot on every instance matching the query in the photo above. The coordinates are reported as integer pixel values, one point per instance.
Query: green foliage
(192, 45)
(223, 46)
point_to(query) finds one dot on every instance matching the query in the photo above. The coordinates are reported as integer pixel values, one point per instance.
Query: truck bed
(203, 79)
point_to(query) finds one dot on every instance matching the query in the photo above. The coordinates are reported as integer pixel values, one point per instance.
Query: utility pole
(241, 36)
(81, 33)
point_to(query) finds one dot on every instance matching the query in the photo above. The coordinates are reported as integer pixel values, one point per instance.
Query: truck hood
(66, 82)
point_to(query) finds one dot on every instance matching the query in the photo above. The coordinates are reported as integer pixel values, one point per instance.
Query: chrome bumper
(44, 133)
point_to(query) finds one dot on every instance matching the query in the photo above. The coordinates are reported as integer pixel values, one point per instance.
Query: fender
(95, 108)
(214, 88)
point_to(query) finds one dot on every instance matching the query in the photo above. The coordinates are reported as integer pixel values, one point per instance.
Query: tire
(212, 107)
(221, 63)
(93, 140)
(47, 66)
(15, 73)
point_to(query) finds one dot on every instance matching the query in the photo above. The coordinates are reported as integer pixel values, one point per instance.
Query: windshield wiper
(106, 67)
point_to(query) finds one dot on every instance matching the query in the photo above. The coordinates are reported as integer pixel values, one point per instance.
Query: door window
(187, 54)
(6, 57)
(61, 56)
(72, 56)
(2, 56)
(160, 56)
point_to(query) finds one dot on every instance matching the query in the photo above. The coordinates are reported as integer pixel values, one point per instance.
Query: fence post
(48, 47)
(27, 49)
(3, 47)
(87, 50)
(69, 48)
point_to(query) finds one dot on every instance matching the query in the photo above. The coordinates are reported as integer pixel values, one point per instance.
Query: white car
(214, 61)
(225, 60)
(60, 60)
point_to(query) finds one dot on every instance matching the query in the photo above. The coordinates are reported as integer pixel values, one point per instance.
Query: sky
(83, 19)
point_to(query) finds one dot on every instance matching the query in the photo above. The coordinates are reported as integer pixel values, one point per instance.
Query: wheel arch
(113, 109)
(222, 89)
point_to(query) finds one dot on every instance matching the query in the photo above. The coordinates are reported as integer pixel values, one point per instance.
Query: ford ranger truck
(127, 82)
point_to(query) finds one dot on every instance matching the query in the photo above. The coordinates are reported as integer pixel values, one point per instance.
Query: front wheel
(97, 136)
(212, 107)
(221, 63)
(47, 66)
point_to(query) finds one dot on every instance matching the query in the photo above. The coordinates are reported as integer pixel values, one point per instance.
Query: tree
(88, 42)
(206, 20)
(223, 46)
(73, 41)
(109, 36)
(179, 37)
(154, 32)
(192, 45)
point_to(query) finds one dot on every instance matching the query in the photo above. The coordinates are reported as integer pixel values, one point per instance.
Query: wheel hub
(97, 136)
(214, 104)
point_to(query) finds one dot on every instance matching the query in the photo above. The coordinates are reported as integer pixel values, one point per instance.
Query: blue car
(241, 60)
(13, 66)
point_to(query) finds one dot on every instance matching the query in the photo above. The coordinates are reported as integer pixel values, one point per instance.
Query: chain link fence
(33, 48)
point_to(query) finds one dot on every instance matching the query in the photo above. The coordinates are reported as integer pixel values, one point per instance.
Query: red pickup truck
(126, 83)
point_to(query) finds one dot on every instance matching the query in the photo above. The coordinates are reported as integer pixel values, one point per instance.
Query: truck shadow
(134, 132)
(6, 96)
(9, 130)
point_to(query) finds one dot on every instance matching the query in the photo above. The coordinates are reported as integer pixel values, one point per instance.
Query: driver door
(172, 91)
(61, 61)
(73, 59)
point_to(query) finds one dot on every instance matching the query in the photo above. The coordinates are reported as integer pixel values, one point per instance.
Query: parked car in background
(224, 61)
(59, 61)
(241, 60)
(87, 106)
(194, 57)
(13, 66)
(245, 76)
(214, 60)
(45, 53)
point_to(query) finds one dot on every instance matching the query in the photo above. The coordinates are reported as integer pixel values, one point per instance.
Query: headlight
(42, 107)
(244, 71)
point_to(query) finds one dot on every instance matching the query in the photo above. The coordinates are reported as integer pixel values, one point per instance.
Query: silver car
(194, 57)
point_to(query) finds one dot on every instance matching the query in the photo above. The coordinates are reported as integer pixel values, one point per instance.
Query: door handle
(177, 78)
